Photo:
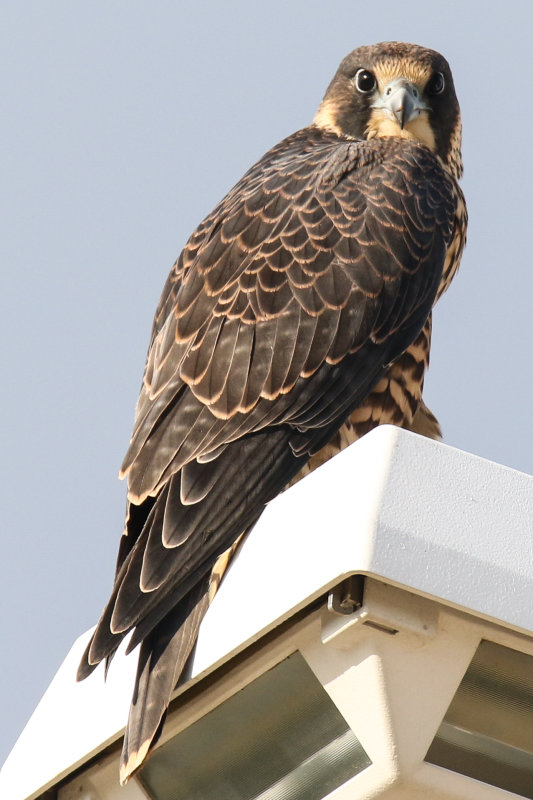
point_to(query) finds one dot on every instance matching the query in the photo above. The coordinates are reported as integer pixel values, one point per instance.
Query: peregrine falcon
(296, 319)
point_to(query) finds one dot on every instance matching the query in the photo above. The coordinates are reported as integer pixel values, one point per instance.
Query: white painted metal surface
(421, 515)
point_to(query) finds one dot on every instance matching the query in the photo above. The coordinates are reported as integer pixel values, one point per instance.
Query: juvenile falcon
(297, 317)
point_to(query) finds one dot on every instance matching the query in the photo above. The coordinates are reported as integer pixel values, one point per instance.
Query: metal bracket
(347, 597)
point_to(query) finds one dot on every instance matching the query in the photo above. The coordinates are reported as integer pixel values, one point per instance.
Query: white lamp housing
(374, 638)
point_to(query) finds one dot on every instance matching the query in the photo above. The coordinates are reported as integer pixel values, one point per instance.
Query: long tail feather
(162, 657)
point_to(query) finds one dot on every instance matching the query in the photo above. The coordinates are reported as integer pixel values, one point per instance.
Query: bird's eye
(365, 81)
(436, 84)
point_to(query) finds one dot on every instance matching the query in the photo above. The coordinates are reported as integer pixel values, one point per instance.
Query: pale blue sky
(124, 122)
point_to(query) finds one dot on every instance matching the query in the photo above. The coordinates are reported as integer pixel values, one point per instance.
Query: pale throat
(417, 130)
(379, 125)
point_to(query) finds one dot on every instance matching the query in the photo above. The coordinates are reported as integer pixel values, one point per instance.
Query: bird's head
(395, 89)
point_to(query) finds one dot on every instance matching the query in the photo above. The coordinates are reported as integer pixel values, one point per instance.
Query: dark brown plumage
(297, 318)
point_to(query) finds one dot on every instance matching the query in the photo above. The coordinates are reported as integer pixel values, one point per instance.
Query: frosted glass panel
(280, 738)
(487, 732)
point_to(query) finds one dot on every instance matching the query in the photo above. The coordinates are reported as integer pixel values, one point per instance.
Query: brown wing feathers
(284, 310)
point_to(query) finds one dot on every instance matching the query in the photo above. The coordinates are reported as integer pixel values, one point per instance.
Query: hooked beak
(401, 101)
